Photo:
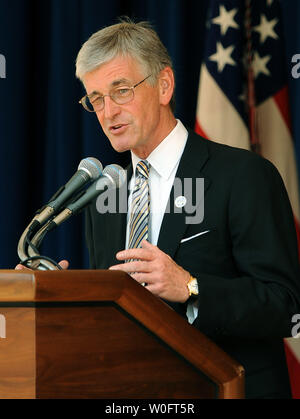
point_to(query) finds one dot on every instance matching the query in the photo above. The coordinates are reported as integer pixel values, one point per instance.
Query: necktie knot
(143, 168)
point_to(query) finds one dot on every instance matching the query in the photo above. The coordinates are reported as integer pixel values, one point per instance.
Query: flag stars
(260, 65)
(266, 28)
(223, 56)
(226, 19)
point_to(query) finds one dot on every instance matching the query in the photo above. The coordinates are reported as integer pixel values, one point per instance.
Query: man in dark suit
(234, 273)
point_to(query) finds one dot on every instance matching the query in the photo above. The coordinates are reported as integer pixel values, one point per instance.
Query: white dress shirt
(164, 161)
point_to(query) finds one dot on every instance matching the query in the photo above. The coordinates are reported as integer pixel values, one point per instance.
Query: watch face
(193, 287)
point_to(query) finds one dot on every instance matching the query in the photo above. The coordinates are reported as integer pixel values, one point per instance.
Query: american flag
(243, 98)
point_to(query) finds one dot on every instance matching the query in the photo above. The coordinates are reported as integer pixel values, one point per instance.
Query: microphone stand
(33, 247)
(27, 250)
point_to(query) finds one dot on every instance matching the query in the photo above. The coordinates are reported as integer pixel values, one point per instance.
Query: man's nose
(111, 108)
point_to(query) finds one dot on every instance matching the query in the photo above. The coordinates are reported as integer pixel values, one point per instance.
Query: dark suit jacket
(246, 265)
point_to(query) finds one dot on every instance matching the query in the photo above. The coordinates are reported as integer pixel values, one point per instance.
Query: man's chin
(119, 147)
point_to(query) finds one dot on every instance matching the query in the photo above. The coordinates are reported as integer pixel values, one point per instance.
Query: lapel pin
(180, 202)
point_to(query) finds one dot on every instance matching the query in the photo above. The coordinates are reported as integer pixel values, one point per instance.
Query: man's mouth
(118, 128)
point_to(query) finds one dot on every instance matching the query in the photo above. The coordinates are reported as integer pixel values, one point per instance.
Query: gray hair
(137, 40)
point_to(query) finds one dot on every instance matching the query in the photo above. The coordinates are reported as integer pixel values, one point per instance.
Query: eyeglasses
(120, 95)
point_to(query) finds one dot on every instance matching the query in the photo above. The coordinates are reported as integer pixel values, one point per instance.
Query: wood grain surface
(17, 354)
(99, 334)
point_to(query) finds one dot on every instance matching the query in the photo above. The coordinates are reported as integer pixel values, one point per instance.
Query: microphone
(113, 177)
(88, 169)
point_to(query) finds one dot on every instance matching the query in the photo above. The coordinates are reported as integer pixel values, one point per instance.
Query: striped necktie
(140, 206)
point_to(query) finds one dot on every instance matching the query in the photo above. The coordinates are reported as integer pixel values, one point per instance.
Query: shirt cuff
(192, 311)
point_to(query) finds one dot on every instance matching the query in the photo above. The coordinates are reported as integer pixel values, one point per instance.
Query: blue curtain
(44, 133)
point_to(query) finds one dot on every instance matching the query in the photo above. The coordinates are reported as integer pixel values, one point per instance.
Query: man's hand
(164, 278)
(64, 264)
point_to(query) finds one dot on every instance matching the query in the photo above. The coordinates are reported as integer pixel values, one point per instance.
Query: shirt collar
(167, 154)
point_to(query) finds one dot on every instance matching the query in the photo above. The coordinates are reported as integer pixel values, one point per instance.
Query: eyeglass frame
(82, 100)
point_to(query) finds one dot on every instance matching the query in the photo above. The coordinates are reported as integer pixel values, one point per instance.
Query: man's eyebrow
(120, 81)
(115, 83)
(94, 93)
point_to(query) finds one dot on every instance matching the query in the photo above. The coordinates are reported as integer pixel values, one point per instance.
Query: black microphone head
(92, 167)
(116, 173)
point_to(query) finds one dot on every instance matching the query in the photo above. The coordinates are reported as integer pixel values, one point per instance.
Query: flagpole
(251, 98)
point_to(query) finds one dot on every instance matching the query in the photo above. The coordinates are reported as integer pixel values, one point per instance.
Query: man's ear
(166, 85)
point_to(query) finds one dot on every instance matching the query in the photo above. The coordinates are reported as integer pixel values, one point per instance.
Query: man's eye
(95, 100)
(123, 91)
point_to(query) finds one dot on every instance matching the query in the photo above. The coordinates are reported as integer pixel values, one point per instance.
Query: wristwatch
(193, 286)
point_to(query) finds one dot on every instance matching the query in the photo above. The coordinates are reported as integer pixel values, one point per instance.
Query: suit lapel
(173, 227)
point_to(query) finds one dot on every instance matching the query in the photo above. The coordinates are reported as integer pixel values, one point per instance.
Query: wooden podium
(99, 334)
